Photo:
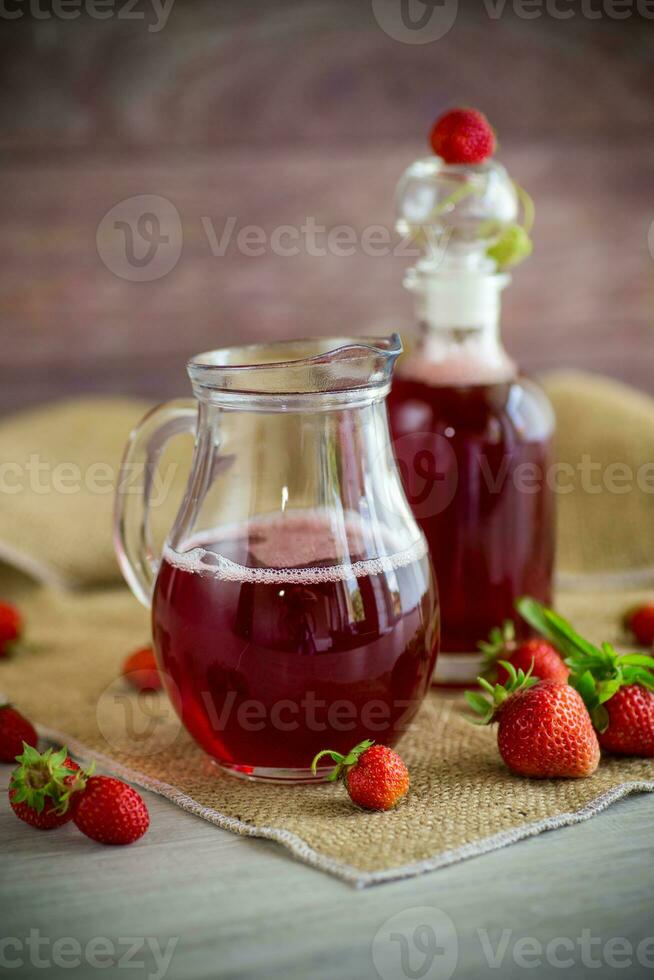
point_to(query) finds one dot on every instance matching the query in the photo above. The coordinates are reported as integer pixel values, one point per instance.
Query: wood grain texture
(270, 112)
(274, 112)
(241, 908)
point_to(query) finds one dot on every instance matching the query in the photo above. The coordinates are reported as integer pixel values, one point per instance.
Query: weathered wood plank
(243, 908)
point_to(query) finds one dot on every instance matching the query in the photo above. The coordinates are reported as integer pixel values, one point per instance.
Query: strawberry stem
(41, 776)
(343, 762)
(500, 642)
(489, 707)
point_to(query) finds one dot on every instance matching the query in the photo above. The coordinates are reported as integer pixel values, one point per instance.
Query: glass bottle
(294, 607)
(473, 437)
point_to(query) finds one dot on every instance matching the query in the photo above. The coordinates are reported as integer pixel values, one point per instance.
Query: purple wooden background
(272, 112)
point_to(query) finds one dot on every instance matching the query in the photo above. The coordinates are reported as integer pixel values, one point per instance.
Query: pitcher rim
(271, 367)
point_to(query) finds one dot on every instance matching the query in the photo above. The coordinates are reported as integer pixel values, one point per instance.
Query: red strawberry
(11, 628)
(617, 688)
(375, 776)
(536, 656)
(140, 670)
(41, 787)
(463, 136)
(111, 812)
(630, 728)
(640, 622)
(14, 730)
(544, 728)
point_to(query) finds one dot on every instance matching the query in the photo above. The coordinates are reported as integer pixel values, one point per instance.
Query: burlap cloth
(462, 800)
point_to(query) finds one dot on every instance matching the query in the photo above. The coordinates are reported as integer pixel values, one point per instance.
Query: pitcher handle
(132, 534)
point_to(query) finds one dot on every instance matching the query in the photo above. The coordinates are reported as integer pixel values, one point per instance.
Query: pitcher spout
(297, 368)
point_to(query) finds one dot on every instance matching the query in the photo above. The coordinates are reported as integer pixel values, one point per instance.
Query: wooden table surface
(226, 906)
(269, 113)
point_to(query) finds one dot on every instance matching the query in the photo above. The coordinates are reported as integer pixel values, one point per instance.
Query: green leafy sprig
(596, 672)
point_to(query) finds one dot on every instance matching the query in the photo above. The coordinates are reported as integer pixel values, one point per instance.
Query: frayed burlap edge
(353, 876)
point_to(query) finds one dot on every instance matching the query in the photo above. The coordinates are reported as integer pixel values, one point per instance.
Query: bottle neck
(460, 341)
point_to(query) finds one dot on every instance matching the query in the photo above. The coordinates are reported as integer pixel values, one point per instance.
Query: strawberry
(463, 136)
(630, 725)
(140, 670)
(14, 730)
(375, 776)
(11, 629)
(640, 622)
(617, 689)
(111, 812)
(536, 655)
(544, 730)
(42, 785)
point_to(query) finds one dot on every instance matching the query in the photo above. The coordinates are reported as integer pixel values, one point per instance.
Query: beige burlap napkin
(59, 466)
(463, 802)
(58, 477)
(604, 481)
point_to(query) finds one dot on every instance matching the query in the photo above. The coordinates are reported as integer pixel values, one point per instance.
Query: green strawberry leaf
(477, 702)
(585, 685)
(597, 673)
(639, 675)
(600, 718)
(501, 641)
(637, 660)
(487, 706)
(558, 631)
(606, 689)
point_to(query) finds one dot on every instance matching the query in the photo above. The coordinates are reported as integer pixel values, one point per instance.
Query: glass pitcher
(294, 606)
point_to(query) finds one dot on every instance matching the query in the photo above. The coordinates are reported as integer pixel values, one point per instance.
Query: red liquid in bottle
(474, 463)
(274, 650)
